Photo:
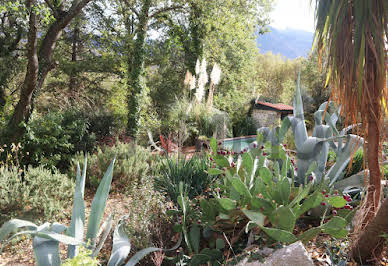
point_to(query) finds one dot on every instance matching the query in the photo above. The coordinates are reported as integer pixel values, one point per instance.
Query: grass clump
(191, 172)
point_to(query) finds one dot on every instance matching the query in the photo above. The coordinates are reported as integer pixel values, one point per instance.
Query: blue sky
(294, 14)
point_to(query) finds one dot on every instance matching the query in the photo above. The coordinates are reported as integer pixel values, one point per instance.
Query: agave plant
(48, 236)
(312, 152)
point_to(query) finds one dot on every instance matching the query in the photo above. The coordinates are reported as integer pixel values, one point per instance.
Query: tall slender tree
(143, 13)
(353, 33)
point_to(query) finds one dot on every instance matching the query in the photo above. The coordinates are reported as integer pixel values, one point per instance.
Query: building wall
(265, 118)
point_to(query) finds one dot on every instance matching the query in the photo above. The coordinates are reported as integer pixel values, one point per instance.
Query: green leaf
(14, 224)
(255, 217)
(284, 190)
(144, 252)
(221, 161)
(76, 227)
(309, 234)
(213, 145)
(266, 175)
(46, 251)
(205, 256)
(105, 230)
(98, 205)
(311, 202)
(227, 204)
(240, 187)
(258, 203)
(247, 162)
(284, 218)
(121, 246)
(208, 212)
(335, 227)
(302, 193)
(214, 171)
(280, 235)
(337, 201)
(220, 243)
(195, 234)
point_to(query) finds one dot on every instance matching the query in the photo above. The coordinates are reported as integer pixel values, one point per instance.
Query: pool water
(238, 144)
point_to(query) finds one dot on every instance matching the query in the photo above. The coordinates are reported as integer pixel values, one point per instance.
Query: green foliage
(146, 215)
(259, 184)
(244, 125)
(52, 139)
(83, 258)
(189, 120)
(276, 77)
(36, 194)
(104, 124)
(135, 165)
(191, 172)
(357, 164)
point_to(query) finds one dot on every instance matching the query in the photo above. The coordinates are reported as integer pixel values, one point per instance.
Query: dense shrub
(36, 193)
(146, 216)
(192, 172)
(104, 125)
(134, 165)
(52, 139)
(357, 164)
(244, 127)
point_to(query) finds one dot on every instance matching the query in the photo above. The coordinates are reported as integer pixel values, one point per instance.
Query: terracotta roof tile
(278, 106)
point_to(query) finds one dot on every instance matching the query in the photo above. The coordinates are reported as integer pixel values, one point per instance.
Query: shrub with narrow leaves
(135, 165)
(36, 194)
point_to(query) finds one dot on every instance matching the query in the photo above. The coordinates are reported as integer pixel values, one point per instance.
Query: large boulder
(292, 255)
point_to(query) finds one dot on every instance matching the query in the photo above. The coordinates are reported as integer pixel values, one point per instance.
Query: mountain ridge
(290, 43)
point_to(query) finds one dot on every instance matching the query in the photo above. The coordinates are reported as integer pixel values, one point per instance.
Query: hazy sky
(294, 14)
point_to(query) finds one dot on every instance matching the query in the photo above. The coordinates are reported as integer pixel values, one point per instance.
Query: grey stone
(292, 255)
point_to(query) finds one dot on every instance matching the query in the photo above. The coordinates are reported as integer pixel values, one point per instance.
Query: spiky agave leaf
(76, 228)
(98, 205)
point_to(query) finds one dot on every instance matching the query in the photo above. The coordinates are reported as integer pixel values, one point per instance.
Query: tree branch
(55, 29)
(166, 9)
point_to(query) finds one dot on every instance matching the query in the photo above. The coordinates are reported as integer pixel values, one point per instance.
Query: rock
(292, 255)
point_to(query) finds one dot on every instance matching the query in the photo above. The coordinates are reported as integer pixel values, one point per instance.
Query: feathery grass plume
(215, 78)
(202, 80)
(188, 78)
(215, 75)
(192, 83)
(197, 67)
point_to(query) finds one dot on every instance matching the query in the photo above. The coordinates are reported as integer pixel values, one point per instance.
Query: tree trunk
(39, 65)
(135, 70)
(23, 107)
(370, 244)
(373, 145)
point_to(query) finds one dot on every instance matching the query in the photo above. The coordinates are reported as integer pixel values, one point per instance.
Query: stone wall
(265, 118)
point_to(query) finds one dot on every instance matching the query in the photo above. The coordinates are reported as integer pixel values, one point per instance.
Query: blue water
(239, 144)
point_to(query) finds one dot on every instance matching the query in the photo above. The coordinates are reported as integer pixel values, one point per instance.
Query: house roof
(276, 106)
